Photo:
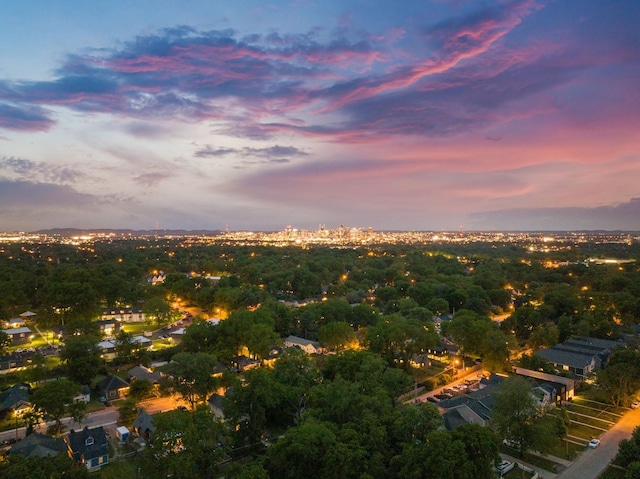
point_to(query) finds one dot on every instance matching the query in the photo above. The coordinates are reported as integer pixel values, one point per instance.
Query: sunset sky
(258, 114)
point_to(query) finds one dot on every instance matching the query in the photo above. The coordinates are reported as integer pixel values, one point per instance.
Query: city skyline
(501, 115)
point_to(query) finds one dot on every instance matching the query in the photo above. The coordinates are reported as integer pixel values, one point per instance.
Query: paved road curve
(591, 463)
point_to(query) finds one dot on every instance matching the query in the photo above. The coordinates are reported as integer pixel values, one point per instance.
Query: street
(104, 417)
(591, 463)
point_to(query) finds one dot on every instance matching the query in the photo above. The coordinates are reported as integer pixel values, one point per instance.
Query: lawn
(137, 329)
(564, 449)
(125, 469)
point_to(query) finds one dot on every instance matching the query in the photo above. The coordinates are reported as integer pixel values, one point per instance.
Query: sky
(256, 114)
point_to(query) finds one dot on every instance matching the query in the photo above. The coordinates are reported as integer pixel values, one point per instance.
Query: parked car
(594, 443)
(635, 404)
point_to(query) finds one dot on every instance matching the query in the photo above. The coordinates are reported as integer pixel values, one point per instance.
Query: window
(88, 441)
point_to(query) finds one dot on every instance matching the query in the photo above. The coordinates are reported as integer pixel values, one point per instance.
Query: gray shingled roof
(567, 358)
(40, 445)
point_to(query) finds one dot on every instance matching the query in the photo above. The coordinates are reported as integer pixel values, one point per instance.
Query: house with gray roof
(113, 387)
(21, 335)
(579, 354)
(143, 425)
(308, 346)
(14, 398)
(580, 364)
(89, 447)
(39, 445)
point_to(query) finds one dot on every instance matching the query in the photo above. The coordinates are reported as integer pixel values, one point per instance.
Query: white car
(635, 404)
(594, 443)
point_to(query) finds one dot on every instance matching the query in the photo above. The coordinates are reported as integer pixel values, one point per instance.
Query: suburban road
(105, 417)
(591, 463)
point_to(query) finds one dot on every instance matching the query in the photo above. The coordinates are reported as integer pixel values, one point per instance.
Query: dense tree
(81, 358)
(157, 310)
(397, 339)
(514, 412)
(620, 379)
(191, 376)
(336, 335)
(628, 455)
(55, 400)
(466, 453)
(61, 465)
(185, 445)
(5, 342)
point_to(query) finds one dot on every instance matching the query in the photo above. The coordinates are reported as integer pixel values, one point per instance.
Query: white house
(308, 346)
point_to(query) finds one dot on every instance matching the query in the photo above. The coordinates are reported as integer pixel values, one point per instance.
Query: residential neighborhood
(139, 384)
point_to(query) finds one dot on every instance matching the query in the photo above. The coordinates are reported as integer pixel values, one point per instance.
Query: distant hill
(126, 232)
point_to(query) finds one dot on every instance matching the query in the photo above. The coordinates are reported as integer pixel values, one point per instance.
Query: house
(142, 372)
(84, 395)
(14, 323)
(113, 387)
(580, 355)
(470, 411)
(244, 363)
(545, 395)
(21, 335)
(308, 346)
(125, 315)
(157, 277)
(28, 315)
(215, 405)
(108, 327)
(89, 447)
(565, 387)
(273, 356)
(14, 399)
(574, 362)
(140, 343)
(177, 335)
(420, 361)
(107, 349)
(475, 407)
(143, 425)
(39, 445)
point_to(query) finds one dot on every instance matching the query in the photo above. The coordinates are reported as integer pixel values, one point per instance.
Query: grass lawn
(564, 449)
(136, 329)
(591, 421)
(125, 469)
(600, 414)
(583, 432)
